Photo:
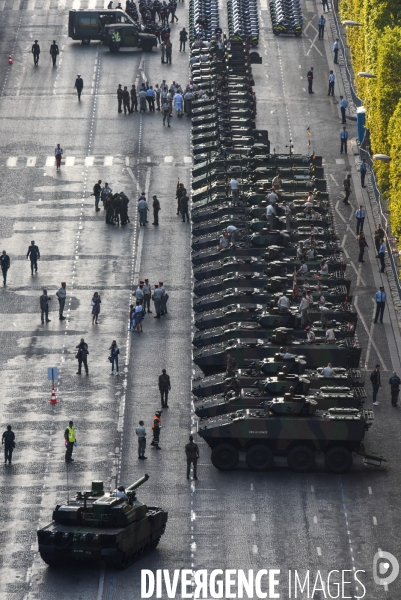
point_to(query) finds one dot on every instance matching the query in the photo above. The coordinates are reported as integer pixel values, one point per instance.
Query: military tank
(294, 429)
(96, 526)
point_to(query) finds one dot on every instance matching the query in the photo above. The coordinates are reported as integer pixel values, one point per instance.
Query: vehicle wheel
(254, 43)
(53, 561)
(276, 32)
(259, 458)
(297, 33)
(301, 459)
(114, 47)
(85, 42)
(225, 457)
(338, 460)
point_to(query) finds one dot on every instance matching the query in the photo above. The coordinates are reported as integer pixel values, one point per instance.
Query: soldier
(104, 193)
(35, 51)
(156, 209)
(328, 371)
(33, 254)
(231, 366)
(192, 454)
(181, 191)
(61, 295)
(126, 98)
(97, 190)
(119, 97)
(394, 382)
(164, 388)
(164, 298)
(134, 100)
(70, 442)
(124, 209)
(143, 210)
(44, 306)
(233, 385)
(169, 49)
(54, 52)
(5, 265)
(362, 243)
(141, 433)
(157, 425)
(79, 86)
(147, 294)
(119, 493)
(347, 187)
(157, 296)
(82, 356)
(283, 304)
(376, 383)
(8, 441)
(184, 200)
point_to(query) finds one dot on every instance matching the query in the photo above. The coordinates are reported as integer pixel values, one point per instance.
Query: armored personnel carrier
(295, 430)
(101, 527)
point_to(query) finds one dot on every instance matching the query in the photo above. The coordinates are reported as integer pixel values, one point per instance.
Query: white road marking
(255, 549)
(374, 521)
(340, 161)
(370, 490)
(339, 214)
(253, 518)
(319, 551)
(50, 161)
(108, 161)
(12, 161)
(89, 160)
(168, 159)
(334, 179)
(69, 161)
(315, 519)
(31, 161)
(312, 489)
(187, 160)
(371, 341)
(127, 161)
(101, 585)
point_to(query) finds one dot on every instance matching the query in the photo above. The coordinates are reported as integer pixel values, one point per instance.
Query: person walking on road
(134, 99)
(141, 433)
(362, 243)
(147, 295)
(309, 76)
(70, 442)
(380, 298)
(8, 441)
(382, 254)
(376, 383)
(184, 201)
(44, 307)
(120, 92)
(54, 52)
(82, 356)
(5, 265)
(61, 295)
(36, 52)
(114, 352)
(192, 454)
(143, 210)
(58, 153)
(97, 190)
(321, 22)
(343, 108)
(335, 49)
(344, 140)
(362, 171)
(156, 210)
(164, 388)
(96, 302)
(394, 382)
(157, 297)
(156, 427)
(183, 39)
(33, 254)
(360, 218)
(347, 188)
(126, 100)
(332, 79)
(79, 86)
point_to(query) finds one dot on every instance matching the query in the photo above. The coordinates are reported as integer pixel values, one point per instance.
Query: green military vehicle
(102, 527)
(87, 25)
(294, 429)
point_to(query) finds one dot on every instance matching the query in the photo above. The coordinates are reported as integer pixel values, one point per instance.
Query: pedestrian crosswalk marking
(89, 160)
(12, 161)
(69, 161)
(168, 159)
(50, 161)
(31, 161)
(108, 161)
(187, 160)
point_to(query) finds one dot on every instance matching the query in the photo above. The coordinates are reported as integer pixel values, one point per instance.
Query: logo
(385, 568)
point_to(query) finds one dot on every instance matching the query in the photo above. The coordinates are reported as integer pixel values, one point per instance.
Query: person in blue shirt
(343, 107)
(321, 22)
(382, 252)
(150, 98)
(344, 140)
(332, 78)
(380, 298)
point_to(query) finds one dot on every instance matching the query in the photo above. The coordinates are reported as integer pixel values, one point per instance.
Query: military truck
(295, 430)
(96, 526)
(87, 25)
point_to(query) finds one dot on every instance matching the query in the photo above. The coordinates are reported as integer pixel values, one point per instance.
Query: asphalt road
(239, 520)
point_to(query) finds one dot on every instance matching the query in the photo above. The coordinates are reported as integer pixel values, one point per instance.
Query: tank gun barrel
(138, 483)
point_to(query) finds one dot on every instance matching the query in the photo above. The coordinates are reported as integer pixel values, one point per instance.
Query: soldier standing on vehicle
(54, 52)
(70, 442)
(35, 51)
(192, 453)
(164, 388)
(79, 86)
(394, 382)
(120, 97)
(8, 441)
(134, 100)
(141, 433)
(126, 98)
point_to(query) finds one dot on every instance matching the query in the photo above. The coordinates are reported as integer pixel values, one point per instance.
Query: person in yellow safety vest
(69, 436)
(116, 37)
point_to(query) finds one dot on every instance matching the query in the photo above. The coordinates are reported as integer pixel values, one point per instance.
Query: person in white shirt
(283, 304)
(272, 198)
(119, 493)
(270, 215)
(314, 230)
(322, 300)
(303, 269)
(330, 336)
(139, 292)
(287, 213)
(277, 182)
(300, 250)
(223, 242)
(324, 268)
(147, 295)
(303, 309)
(232, 233)
(234, 185)
(328, 371)
(310, 254)
(310, 335)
